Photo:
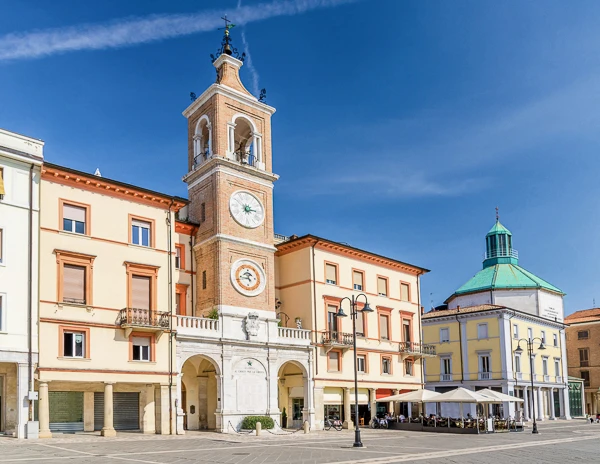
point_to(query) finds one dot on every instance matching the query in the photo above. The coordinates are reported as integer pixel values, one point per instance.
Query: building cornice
(220, 89)
(221, 164)
(185, 228)
(231, 238)
(499, 312)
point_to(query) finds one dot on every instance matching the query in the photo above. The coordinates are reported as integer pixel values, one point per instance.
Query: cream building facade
(107, 308)
(313, 275)
(20, 166)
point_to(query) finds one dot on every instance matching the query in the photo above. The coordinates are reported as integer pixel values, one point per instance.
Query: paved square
(558, 442)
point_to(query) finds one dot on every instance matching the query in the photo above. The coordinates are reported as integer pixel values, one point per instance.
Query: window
(444, 335)
(331, 274)
(180, 256)
(357, 280)
(141, 233)
(386, 365)
(382, 289)
(333, 361)
(555, 339)
(384, 329)
(2, 309)
(140, 292)
(178, 303)
(584, 357)
(406, 331)
(74, 218)
(332, 319)
(360, 324)
(517, 363)
(585, 375)
(203, 280)
(515, 331)
(583, 334)
(202, 212)
(408, 367)
(140, 348)
(2, 189)
(543, 336)
(529, 333)
(482, 331)
(1, 245)
(181, 299)
(141, 287)
(74, 277)
(545, 366)
(557, 368)
(361, 363)
(446, 366)
(404, 291)
(73, 344)
(484, 367)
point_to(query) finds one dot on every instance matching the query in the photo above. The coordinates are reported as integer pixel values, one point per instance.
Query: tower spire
(497, 214)
(226, 44)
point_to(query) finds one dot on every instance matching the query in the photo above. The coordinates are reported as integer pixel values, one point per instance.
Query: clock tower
(230, 187)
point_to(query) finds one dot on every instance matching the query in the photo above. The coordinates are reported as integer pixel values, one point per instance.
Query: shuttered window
(386, 366)
(404, 292)
(74, 284)
(1, 245)
(406, 331)
(384, 333)
(140, 233)
(357, 280)
(177, 258)
(333, 359)
(2, 313)
(74, 219)
(332, 320)
(141, 348)
(2, 190)
(382, 286)
(584, 357)
(331, 274)
(360, 323)
(140, 292)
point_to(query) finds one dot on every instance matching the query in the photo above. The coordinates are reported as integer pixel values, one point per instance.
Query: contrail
(250, 66)
(138, 30)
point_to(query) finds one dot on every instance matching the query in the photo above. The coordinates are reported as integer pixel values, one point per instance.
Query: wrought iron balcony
(329, 337)
(130, 318)
(417, 349)
(246, 158)
(201, 158)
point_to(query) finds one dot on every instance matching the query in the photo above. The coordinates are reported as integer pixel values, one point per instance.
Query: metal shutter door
(66, 411)
(126, 411)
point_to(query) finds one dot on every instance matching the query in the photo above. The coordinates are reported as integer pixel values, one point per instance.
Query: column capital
(109, 383)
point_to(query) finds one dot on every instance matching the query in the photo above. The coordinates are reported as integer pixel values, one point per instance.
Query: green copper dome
(501, 268)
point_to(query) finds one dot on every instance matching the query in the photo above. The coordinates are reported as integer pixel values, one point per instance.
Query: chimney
(458, 309)
(422, 310)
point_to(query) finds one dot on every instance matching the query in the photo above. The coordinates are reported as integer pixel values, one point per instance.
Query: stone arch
(294, 393)
(202, 139)
(244, 140)
(201, 376)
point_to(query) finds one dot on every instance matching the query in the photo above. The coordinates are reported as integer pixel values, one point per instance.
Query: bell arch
(202, 140)
(244, 142)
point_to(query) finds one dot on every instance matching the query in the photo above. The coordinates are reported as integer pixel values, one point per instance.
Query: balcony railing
(135, 317)
(559, 379)
(337, 338)
(485, 375)
(519, 375)
(546, 378)
(499, 253)
(445, 377)
(201, 323)
(201, 158)
(417, 348)
(246, 158)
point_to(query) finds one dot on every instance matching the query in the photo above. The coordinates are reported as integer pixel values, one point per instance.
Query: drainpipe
(462, 374)
(420, 327)
(30, 296)
(314, 280)
(170, 305)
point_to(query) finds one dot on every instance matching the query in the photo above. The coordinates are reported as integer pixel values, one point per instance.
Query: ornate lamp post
(353, 300)
(529, 342)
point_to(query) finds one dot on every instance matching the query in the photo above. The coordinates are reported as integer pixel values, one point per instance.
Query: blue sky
(400, 124)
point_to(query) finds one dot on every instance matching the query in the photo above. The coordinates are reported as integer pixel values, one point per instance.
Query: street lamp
(529, 342)
(353, 314)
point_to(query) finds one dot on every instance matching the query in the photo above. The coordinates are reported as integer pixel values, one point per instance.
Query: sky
(400, 125)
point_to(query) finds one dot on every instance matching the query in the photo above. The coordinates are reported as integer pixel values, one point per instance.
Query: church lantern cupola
(498, 246)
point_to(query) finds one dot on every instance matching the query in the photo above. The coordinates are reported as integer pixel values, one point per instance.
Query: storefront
(576, 397)
(333, 403)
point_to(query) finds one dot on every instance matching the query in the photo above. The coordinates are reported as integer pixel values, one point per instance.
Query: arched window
(245, 143)
(202, 141)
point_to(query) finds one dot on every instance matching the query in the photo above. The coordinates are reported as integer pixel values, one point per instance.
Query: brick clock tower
(231, 352)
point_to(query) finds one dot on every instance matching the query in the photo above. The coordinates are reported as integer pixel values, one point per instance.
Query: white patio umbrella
(461, 395)
(501, 397)
(415, 396)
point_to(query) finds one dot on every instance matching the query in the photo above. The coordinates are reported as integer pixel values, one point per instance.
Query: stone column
(594, 410)
(179, 412)
(88, 411)
(551, 396)
(209, 127)
(108, 430)
(44, 410)
(540, 404)
(348, 424)
(396, 405)
(22, 399)
(373, 401)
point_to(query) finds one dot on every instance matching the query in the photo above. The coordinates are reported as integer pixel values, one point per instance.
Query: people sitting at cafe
(401, 418)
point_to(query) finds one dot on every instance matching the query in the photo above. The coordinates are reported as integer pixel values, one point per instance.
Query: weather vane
(497, 214)
(226, 46)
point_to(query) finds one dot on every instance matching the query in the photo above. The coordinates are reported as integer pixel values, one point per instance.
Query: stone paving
(558, 442)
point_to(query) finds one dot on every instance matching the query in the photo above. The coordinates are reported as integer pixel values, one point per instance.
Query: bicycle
(378, 424)
(336, 424)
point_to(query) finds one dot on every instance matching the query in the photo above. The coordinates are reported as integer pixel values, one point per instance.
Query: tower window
(203, 280)
(203, 212)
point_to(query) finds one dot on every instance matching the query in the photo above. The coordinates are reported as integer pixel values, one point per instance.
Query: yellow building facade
(313, 277)
(107, 255)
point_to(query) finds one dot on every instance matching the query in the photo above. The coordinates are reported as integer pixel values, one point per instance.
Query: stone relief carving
(251, 324)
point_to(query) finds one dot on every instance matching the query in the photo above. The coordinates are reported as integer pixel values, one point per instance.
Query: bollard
(258, 428)
(306, 427)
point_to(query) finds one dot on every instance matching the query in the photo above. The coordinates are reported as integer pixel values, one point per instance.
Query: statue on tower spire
(497, 214)
(226, 45)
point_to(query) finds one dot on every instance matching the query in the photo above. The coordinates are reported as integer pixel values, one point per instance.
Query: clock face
(248, 277)
(246, 209)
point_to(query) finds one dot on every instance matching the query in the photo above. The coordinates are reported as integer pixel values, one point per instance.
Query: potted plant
(283, 419)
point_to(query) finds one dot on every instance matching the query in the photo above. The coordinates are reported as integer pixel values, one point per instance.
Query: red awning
(383, 392)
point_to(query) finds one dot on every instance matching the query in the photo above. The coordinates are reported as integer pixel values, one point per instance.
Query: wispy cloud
(138, 30)
(248, 62)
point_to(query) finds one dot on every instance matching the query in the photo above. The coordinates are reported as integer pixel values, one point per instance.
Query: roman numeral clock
(247, 276)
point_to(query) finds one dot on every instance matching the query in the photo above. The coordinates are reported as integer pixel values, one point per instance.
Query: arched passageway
(200, 386)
